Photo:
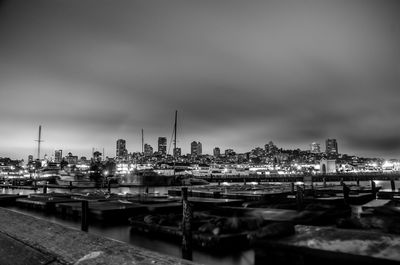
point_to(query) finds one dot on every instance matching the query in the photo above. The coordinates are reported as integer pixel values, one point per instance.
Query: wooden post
(373, 187)
(108, 186)
(300, 198)
(70, 185)
(186, 226)
(392, 184)
(45, 188)
(324, 180)
(244, 181)
(84, 218)
(358, 182)
(346, 193)
(292, 187)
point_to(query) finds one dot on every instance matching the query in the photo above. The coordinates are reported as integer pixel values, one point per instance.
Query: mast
(176, 118)
(39, 140)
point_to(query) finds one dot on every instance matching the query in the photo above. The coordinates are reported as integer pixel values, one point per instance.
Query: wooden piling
(392, 184)
(300, 198)
(45, 188)
(358, 182)
(346, 193)
(324, 180)
(373, 187)
(187, 217)
(292, 187)
(108, 186)
(84, 218)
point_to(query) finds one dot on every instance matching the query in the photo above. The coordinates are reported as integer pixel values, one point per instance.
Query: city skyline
(240, 75)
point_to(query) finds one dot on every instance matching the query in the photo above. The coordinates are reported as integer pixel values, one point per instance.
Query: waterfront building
(58, 156)
(30, 158)
(327, 166)
(121, 149)
(216, 152)
(196, 149)
(162, 145)
(331, 146)
(148, 150)
(315, 148)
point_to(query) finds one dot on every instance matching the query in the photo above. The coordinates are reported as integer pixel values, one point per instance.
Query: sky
(240, 74)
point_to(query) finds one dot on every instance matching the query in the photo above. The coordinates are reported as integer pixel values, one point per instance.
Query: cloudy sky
(240, 73)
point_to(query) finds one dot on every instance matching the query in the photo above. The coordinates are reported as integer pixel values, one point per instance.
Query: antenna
(39, 140)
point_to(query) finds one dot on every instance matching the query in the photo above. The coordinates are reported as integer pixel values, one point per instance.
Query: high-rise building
(162, 145)
(177, 152)
(196, 148)
(216, 152)
(30, 158)
(121, 148)
(331, 146)
(148, 150)
(71, 159)
(315, 148)
(57, 156)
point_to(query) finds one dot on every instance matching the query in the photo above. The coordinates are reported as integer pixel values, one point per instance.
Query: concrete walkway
(28, 240)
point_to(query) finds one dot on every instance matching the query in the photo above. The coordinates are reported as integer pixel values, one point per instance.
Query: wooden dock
(329, 246)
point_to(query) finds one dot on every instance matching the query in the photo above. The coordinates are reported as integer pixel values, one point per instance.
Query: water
(123, 233)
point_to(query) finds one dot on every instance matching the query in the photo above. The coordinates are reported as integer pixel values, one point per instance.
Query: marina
(219, 217)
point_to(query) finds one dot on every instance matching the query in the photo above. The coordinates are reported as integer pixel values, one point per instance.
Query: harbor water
(123, 233)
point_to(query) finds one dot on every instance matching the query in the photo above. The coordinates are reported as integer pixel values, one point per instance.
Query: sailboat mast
(176, 118)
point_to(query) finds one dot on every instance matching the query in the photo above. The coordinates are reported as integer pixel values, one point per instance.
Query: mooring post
(84, 218)
(346, 193)
(324, 180)
(373, 187)
(186, 226)
(108, 186)
(292, 187)
(299, 198)
(358, 182)
(70, 185)
(392, 184)
(45, 188)
(244, 181)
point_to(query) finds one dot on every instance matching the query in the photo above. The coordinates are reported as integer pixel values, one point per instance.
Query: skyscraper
(121, 149)
(216, 152)
(196, 148)
(331, 146)
(57, 156)
(162, 145)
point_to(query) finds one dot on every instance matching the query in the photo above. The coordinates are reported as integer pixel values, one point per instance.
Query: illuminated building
(162, 145)
(121, 149)
(148, 150)
(331, 146)
(216, 152)
(57, 156)
(196, 148)
(315, 148)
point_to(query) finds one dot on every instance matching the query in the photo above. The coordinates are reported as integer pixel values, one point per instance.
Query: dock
(46, 243)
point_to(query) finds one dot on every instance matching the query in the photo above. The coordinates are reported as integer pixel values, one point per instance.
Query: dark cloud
(240, 74)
